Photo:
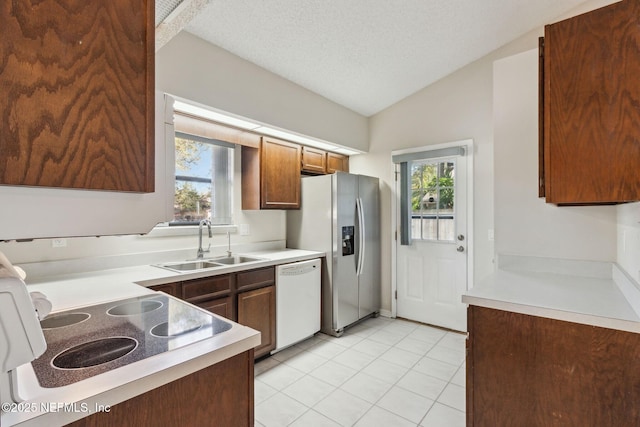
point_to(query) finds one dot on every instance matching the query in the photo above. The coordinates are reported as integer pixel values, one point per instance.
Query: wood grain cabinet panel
(173, 289)
(246, 297)
(255, 278)
(314, 161)
(532, 371)
(221, 306)
(257, 310)
(591, 103)
(279, 174)
(198, 290)
(271, 175)
(337, 162)
(219, 395)
(77, 104)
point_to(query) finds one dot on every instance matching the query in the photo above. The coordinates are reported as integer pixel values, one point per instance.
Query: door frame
(469, 148)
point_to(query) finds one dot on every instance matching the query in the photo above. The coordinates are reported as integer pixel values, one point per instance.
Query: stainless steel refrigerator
(340, 215)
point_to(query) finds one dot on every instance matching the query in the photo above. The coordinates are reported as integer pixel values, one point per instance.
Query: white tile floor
(382, 372)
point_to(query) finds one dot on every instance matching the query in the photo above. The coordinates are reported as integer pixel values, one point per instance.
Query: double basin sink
(204, 264)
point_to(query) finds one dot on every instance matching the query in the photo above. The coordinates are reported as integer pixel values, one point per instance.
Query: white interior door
(432, 271)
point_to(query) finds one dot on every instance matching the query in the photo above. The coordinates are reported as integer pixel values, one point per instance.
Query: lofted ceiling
(363, 54)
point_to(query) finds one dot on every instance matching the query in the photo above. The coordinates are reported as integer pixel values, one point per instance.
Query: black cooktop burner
(64, 319)
(96, 339)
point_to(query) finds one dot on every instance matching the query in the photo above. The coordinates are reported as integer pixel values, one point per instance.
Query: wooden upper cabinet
(314, 161)
(271, 175)
(337, 162)
(591, 107)
(77, 104)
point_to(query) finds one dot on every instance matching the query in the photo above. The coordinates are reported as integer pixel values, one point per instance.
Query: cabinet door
(279, 174)
(218, 395)
(591, 99)
(77, 108)
(314, 161)
(532, 371)
(257, 309)
(337, 162)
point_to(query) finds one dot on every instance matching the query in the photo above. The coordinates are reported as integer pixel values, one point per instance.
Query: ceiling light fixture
(227, 119)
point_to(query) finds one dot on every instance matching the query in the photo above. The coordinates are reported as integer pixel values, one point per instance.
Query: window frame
(186, 178)
(423, 191)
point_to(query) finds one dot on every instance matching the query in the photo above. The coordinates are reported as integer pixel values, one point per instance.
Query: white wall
(189, 67)
(460, 106)
(457, 107)
(524, 223)
(263, 225)
(628, 237)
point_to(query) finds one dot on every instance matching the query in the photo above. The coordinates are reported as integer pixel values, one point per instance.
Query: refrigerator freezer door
(345, 281)
(369, 278)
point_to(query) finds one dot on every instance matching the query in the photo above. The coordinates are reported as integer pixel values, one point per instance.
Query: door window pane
(432, 200)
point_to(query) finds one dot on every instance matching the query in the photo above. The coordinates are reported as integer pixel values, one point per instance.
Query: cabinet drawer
(220, 306)
(256, 278)
(173, 289)
(203, 289)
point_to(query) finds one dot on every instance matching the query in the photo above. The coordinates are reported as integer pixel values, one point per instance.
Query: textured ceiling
(368, 54)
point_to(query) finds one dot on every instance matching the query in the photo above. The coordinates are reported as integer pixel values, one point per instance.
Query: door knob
(461, 237)
(460, 249)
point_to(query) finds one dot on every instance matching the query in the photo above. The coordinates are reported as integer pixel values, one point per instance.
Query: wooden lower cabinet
(246, 297)
(531, 371)
(220, 395)
(257, 310)
(220, 306)
(207, 288)
(173, 289)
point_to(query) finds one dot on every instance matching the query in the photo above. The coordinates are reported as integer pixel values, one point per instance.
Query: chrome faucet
(228, 243)
(201, 251)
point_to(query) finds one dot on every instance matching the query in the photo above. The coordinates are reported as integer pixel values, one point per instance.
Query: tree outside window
(432, 200)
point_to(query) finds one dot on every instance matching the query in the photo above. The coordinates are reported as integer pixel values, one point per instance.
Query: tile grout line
(364, 335)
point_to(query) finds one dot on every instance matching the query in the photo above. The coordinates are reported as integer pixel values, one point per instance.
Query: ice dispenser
(347, 240)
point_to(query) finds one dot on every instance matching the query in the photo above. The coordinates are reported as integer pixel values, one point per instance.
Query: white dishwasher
(297, 302)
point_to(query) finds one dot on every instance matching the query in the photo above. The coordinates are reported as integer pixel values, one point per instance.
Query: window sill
(188, 230)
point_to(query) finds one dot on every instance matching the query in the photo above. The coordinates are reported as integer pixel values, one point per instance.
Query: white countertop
(597, 294)
(67, 291)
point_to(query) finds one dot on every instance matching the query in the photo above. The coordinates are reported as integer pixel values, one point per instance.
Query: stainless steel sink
(236, 259)
(190, 265)
(207, 263)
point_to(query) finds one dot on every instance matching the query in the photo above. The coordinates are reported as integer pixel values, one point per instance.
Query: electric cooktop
(88, 341)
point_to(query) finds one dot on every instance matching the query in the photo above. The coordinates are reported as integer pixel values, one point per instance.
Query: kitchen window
(204, 180)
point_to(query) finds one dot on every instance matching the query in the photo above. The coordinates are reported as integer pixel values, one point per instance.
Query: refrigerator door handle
(362, 234)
